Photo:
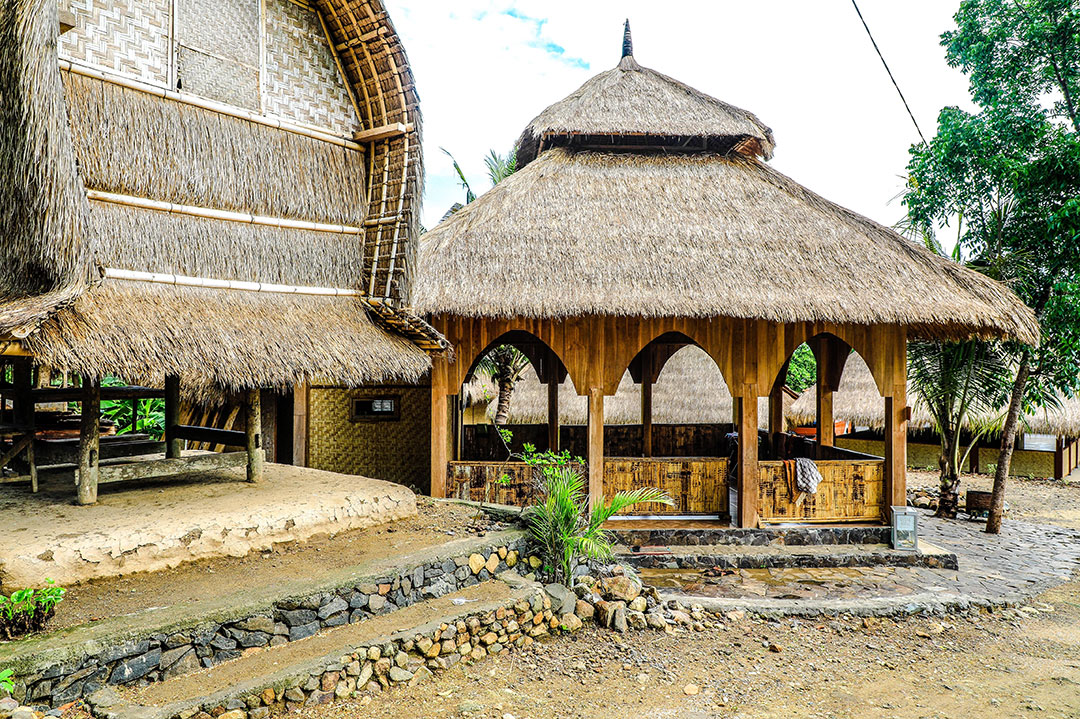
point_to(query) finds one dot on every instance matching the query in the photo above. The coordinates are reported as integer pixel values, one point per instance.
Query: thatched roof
(689, 390)
(629, 102)
(108, 168)
(668, 232)
(858, 402)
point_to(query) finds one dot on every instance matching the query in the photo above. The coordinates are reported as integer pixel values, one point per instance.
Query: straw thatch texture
(694, 235)
(1061, 421)
(689, 390)
(142, 331)
(41, 223)
(133, 143)
(631, 100)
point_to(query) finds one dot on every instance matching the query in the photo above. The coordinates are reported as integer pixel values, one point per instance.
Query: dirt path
(993, 666)
(1042, 501)
(435, 524)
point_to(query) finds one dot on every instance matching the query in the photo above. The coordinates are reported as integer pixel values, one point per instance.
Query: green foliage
(802, 368)
(151, 412)
(7, 680)
(564, 527)
(27, 610)
(504, 365)
(499, 167)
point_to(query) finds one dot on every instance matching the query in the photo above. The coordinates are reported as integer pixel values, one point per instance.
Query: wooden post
(439, 432)
(826, 429)
(24, 412)
(776, 412)
(553, 410)
(596, 446)
(173, 445)
(1059, 458)
(253, 434)
(748, 460)
(89, 442)
(300, 425)
(646, 402)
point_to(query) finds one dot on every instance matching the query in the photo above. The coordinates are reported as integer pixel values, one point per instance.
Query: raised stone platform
(735, 556)
(155, 525)
(633, 534)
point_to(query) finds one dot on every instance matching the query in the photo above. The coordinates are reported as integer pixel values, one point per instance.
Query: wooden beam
(67, 19)
(826, 429)
(74, 394)
(553, 410)
(169, 467)
(300, 425)
(383, 132)
(16, 449)
(748, 461)
(253, 434)
(210, 435)
(13, 348)
(89, 443)
(173, 444)
(646, 401)
(596, 446)
(440, 435)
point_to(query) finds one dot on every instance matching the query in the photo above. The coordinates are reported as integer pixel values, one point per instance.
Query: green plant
(27, 610)
(7, 680)
(564, 527)
(802, 368)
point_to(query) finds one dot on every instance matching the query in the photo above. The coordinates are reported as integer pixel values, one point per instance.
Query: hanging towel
(807, 476)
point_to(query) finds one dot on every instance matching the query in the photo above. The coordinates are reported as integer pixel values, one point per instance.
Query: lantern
(905, 529)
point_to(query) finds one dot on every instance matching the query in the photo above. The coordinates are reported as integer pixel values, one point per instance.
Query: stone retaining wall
(707, 560)
(156, 657)
(785, 536)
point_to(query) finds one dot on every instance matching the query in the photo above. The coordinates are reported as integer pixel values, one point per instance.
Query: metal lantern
(905, 529)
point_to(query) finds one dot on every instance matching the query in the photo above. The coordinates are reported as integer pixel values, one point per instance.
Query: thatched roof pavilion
(226, 196)
(643, 217)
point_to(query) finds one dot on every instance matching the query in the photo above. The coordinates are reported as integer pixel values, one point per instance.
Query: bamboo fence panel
(698, 485)
(850, 491)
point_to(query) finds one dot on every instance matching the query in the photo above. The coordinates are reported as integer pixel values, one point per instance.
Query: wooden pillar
(253, 435)
(553, 410)
(173, 446)
(89, 442)
(300, 425)
(747, 427)
(897, 414)
(776, 412)
(647, 359)
(24, 412)
(1059, 458)
(826, 428)
(596, 446)
(440, 435)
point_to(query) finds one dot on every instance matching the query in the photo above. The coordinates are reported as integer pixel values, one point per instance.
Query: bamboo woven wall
(698, 485)
(848, 492)
(130, 38)
(394, 450)
(479, 482)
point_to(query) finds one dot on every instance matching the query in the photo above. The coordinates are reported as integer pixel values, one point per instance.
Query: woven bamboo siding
(479, 482)
(394, 450)
(698, 485)
(849, 492)
(131, 38)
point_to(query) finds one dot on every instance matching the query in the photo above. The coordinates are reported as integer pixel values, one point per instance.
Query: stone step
(729, 556)
(321, 668)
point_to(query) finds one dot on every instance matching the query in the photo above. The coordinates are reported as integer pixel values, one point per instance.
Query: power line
(898, 92)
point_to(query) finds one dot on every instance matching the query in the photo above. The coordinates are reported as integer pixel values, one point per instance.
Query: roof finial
(627, 42)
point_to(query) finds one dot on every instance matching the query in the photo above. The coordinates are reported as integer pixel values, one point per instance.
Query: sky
(485, 68)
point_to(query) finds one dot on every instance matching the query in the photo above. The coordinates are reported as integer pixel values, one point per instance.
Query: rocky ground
(1016, 662)
(1042, 501)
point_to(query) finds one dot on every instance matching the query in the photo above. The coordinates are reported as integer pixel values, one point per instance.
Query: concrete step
(734, 556)
(301, 666)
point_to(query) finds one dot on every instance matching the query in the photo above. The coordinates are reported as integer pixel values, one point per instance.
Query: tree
(802, 368)
(1009, 176)
(963, 385)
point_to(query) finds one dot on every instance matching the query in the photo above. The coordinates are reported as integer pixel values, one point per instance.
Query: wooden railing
(850, 491)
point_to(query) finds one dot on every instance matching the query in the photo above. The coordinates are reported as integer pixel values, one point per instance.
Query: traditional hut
(644, 218)
(1047, 446)
(215, 196)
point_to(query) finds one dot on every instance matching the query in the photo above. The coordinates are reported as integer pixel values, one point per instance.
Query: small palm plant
(564, 527)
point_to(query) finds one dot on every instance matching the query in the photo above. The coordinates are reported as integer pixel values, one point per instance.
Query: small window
(373, 409)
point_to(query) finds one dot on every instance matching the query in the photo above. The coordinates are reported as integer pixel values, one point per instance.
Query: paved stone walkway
(1023, 561)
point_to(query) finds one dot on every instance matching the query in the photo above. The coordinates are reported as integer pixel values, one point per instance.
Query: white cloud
(484, 68)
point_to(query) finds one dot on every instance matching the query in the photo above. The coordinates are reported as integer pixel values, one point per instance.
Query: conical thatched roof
(629, 102)
(294, 233)
(674, 230)
(689, 390)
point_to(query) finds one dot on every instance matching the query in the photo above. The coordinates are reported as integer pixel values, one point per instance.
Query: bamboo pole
(163, 278)
(173, 446)
(253, 433)
(246, 218)
(89, 442)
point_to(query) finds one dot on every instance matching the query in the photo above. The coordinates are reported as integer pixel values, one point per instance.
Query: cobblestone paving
(1023, 561)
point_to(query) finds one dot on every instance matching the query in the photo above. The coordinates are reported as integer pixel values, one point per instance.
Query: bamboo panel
(698, 485)
(479, 482)
(850, 491)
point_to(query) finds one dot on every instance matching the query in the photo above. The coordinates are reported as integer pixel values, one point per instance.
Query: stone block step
(728, 556)
(302, 666)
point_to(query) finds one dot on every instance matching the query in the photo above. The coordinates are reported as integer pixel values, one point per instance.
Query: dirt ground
(434, 524)
(1041, 501)
(1006, 664)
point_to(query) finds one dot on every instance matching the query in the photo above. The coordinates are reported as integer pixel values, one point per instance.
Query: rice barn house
(1047, 446)
(644, 218)
(210, 200)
